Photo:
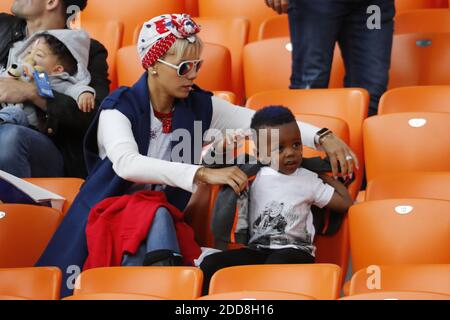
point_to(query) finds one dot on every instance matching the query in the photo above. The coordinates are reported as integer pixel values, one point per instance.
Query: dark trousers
(315, 28)
(246, 256)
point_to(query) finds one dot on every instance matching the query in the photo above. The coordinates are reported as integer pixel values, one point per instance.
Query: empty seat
(214, 75)
(420, 59)
(274, 27)
(255, 11)
(68, 188)
(426, 20)
(108, 33)
(256, 295)
(406, 142)
(5, 5)
(131, 13)
(320, 281)
(416, 99)
(433, 278)
(113, 296)
(407, 5)
(25, 231)
(399, 231)
(30, 283)
(177, 283)
(425, 185)
(259, 75)
(191, 7)
(398, 295)
(233, 34)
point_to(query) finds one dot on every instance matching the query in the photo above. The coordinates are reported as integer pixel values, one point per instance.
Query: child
(64, 56)
(280, 219)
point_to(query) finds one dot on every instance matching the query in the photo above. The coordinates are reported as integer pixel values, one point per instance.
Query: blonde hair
(182, 47)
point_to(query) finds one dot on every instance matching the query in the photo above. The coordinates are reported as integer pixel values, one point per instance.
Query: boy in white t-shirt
(280, 219)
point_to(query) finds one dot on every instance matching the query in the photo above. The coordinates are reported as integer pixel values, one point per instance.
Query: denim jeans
(26, 153)
(316, 26)
(162, 236)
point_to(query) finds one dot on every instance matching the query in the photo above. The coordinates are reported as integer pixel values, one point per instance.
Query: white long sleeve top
(116, 141)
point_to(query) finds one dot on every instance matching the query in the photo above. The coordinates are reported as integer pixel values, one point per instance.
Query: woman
(134, 142)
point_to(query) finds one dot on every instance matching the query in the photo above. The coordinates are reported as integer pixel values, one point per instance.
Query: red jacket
(119, 225)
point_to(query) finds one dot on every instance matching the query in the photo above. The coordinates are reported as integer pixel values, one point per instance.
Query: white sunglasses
(184, 67)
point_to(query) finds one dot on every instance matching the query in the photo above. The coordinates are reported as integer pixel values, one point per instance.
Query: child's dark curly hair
(63, 54)
(272, 116)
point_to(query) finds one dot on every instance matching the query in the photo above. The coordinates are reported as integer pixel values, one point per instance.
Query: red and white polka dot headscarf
(159, 34)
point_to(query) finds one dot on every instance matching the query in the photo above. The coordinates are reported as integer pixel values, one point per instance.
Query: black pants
(317, 25)
(247, 256)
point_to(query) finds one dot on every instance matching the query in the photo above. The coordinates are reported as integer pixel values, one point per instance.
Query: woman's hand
(233, 177)
(338, 152)
(233, 139)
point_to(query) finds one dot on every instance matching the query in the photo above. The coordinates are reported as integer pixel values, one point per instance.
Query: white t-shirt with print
(280, 208)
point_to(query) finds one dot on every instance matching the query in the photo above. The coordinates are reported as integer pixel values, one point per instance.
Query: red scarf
(166, 119)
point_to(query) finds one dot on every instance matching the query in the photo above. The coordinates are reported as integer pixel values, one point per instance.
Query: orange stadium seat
(426, 185)
(226, 95)
(406, 142)
(416, 99)
(177, 283)
(191, 7)
(30, 284)
(320, 281)
(110, 34)
(198, 214)
(24, 233)
(256, 295)
(399, 231)
(113, 297)
(65, 187)
(398, 295)
(214, 75)
(420, 59)
(255, 11)
(5, 5)
(406, 5)
(233, 34)
(338, 126)
(131, 13)
(426, 20)
(432, 278)
(274, 27)
(259, 55)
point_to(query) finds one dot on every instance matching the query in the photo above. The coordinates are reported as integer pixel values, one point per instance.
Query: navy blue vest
(68, 246)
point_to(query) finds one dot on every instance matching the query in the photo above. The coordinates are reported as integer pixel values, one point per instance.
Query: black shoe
(163, 258)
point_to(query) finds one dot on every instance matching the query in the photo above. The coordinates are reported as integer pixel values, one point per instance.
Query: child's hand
(86, 102)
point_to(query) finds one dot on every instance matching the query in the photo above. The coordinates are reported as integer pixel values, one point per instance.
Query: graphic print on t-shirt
(272, 226)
